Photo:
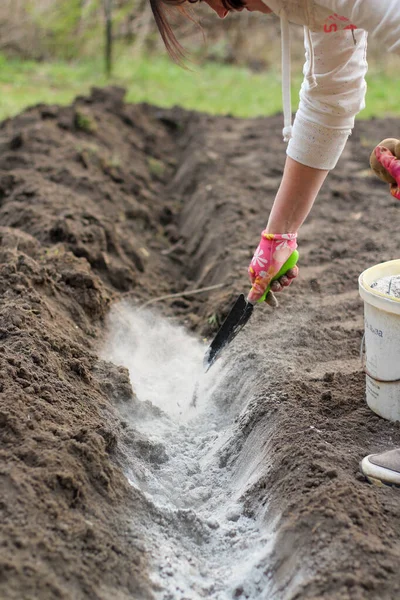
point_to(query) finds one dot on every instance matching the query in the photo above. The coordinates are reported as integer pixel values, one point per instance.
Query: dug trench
(107, 493)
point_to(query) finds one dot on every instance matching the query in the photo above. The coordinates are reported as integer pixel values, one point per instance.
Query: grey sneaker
(382, 469)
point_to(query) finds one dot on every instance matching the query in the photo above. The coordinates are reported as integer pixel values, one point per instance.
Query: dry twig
(182, 294)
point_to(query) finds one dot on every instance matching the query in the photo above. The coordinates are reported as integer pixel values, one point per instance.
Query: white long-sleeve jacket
(333, 89)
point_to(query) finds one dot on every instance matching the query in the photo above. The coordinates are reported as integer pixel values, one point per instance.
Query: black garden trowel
(238, 317)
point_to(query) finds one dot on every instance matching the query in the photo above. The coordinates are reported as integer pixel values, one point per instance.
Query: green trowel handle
(289, 264)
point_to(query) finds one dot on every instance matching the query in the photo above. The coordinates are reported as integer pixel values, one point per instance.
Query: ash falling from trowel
(201, 544)
(164, 362)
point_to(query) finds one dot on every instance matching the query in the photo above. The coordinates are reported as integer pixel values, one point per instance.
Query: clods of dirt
(103, 201)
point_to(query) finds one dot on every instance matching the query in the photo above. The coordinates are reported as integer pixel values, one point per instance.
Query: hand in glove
(272, 252)
(392, 166)
(385, 163)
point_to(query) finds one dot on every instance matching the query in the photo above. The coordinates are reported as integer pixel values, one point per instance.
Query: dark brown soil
(104, 200)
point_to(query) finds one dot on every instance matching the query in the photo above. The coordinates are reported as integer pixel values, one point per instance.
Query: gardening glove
(392, 165)
(272, 252)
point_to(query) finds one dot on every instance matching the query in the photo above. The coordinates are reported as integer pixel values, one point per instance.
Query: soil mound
(101, 201)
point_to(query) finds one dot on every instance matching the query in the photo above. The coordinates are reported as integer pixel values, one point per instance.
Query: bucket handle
(364, 366)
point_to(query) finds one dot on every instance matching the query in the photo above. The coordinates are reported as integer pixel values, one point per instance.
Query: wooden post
(108, 45)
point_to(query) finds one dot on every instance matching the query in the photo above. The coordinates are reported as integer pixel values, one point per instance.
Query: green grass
(213, 88)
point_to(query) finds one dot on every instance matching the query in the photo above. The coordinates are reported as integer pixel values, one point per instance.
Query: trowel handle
(289, 264)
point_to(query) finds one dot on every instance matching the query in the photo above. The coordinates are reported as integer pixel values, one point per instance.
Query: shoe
(382, 469)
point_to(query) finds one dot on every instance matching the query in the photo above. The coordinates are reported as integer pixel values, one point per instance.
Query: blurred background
(53, 50)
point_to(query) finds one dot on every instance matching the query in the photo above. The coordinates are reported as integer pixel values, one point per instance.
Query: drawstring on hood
(286, 91)
(286, 74)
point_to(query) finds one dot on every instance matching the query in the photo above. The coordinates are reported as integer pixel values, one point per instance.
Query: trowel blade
(234, 322)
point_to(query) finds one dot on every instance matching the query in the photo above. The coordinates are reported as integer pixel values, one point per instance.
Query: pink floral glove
(392, 166)
(273, 251)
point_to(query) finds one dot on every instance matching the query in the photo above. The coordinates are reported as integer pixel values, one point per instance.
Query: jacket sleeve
(380, 18)
(326, 112)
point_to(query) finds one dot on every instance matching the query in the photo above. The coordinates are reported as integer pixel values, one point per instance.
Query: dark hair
(159, 8)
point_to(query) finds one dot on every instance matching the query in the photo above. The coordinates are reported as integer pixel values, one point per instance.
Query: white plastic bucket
(382, 342)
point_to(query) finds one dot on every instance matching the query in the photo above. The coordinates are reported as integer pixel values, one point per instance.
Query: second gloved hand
(272, 252)
(392, 166)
